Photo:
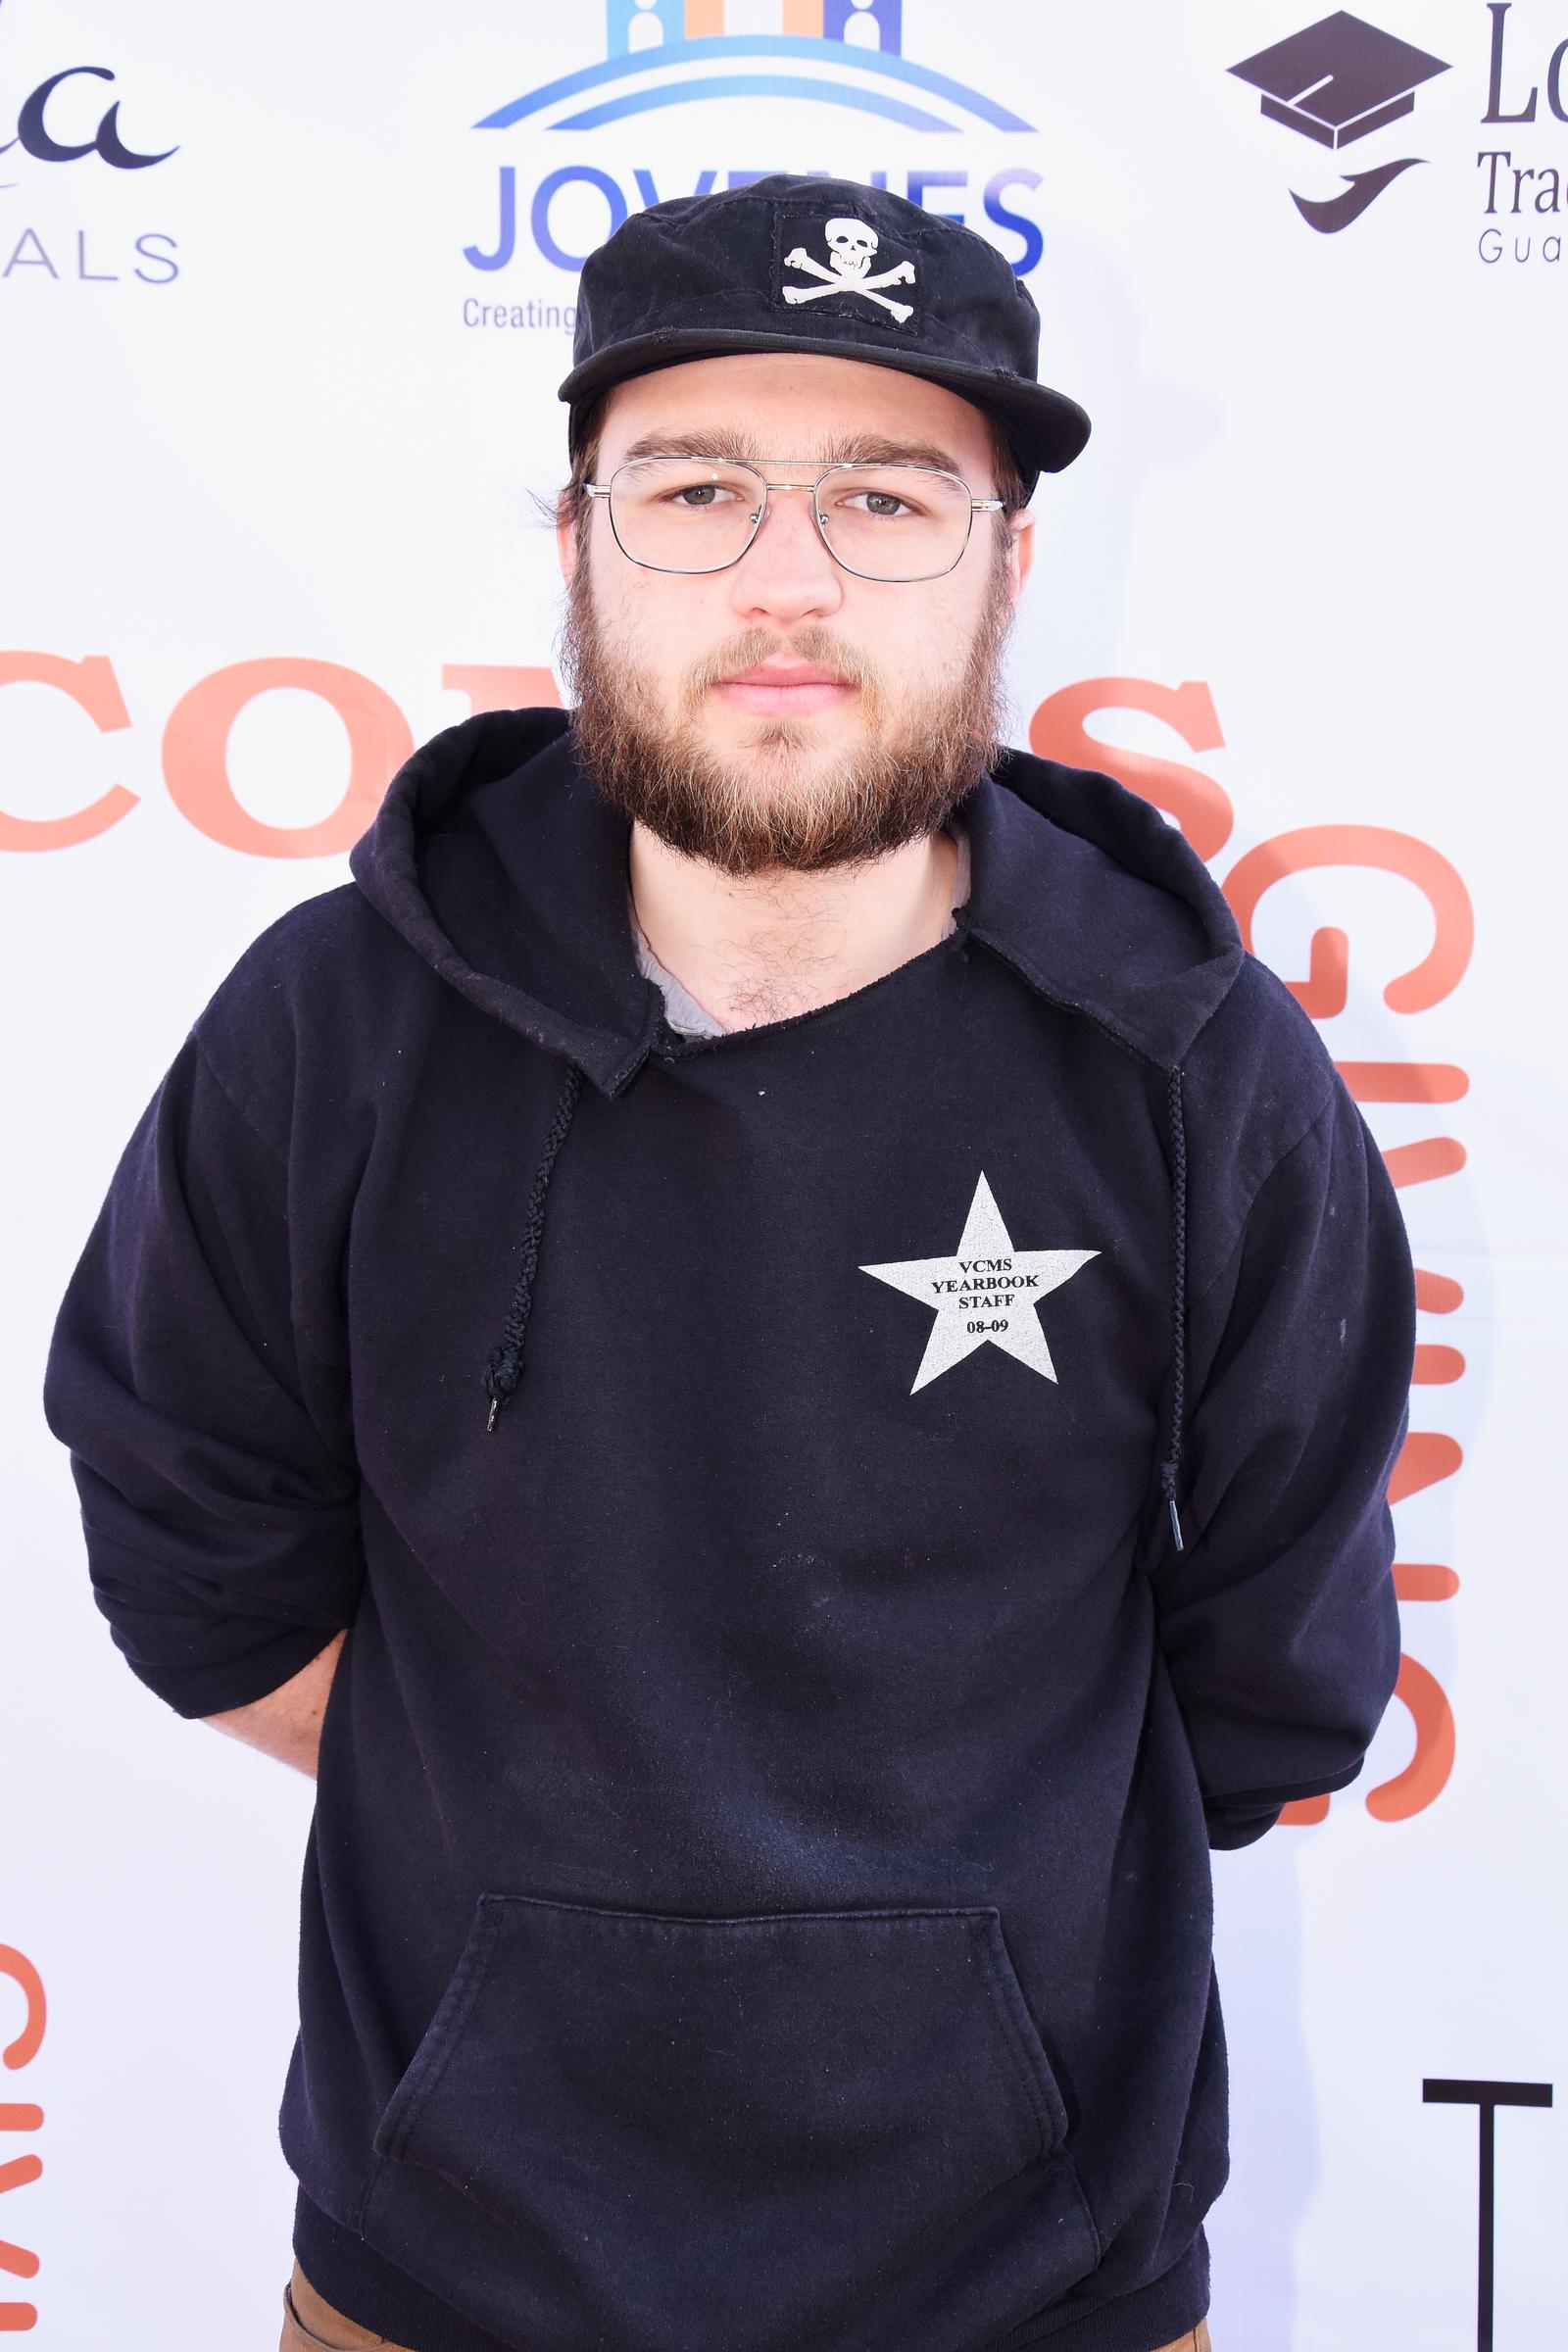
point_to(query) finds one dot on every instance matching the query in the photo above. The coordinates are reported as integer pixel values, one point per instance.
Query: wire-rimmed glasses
(882, 522)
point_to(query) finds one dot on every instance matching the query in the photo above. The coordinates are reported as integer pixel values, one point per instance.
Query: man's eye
(884, 504)
(699, 494)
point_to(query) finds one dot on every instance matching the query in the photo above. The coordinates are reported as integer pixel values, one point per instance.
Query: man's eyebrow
(840, 448)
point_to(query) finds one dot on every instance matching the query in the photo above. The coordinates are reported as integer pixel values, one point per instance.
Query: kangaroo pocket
(731, 2135)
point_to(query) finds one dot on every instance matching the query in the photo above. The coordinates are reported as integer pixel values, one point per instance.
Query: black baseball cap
(795, 263)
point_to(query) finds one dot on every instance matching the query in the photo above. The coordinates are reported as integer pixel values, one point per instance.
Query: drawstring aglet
(1175, 1522)
(490, 1425)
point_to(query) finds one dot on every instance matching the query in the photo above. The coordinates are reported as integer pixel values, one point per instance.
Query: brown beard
(901, 785)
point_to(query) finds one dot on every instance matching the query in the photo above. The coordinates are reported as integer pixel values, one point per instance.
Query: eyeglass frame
(977, 505)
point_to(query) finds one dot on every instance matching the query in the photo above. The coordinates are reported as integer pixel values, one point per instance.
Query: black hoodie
(833, 1520)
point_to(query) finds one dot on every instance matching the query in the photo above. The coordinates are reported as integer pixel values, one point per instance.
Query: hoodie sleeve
(191, 1374)
(1278, 1622)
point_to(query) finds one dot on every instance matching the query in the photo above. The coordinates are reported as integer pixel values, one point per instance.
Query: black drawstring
(1178, 1401)
(506, 1364)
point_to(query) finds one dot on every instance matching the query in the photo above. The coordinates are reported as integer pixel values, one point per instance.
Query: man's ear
(567, 549)
(1022, 527)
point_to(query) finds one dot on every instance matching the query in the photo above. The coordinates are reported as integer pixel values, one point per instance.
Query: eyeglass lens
(886, 522)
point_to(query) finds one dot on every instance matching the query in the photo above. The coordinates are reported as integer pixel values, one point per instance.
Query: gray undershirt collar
(691, 1019)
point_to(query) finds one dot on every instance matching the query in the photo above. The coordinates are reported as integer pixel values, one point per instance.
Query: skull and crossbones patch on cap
(841, 266)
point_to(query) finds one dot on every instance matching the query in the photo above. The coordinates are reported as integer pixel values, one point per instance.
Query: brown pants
(311, 2324)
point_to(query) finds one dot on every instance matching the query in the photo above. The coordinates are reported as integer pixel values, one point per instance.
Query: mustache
(814, 645)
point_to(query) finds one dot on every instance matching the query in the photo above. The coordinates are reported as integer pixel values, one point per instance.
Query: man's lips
(784, 686)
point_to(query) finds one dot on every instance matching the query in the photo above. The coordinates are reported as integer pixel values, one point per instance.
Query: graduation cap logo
(1336, 81)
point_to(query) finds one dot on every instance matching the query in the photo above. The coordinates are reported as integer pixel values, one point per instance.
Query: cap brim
(1049, 428)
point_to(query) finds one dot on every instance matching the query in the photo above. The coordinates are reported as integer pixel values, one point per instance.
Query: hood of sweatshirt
(757, 1893)
(1102, 907)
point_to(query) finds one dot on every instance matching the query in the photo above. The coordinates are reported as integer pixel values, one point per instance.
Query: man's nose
(787, 573)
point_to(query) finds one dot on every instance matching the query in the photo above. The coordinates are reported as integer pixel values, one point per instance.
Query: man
(779, 1361)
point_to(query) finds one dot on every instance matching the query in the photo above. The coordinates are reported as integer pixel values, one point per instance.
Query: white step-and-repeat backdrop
(284, 298)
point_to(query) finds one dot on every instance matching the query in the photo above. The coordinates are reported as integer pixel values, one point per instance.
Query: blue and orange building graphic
(846, 52)
(637, 26)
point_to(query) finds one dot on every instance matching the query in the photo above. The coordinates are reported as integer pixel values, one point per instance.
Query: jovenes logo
(662, 55)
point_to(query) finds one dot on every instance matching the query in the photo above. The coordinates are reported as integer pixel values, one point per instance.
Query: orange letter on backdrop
(490, 686)
(1425, 1777)
(1325, 990)
(92, 684)
(19, 2260)
(196, 755)
(1201, 808)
